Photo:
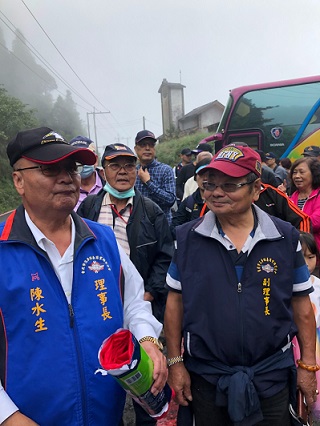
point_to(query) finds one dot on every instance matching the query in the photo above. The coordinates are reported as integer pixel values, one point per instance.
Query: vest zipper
(71, 315)
(79, 358)
(239, 289)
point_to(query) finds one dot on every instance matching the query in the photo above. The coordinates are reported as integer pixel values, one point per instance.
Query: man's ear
(18, 182)
(256, 189)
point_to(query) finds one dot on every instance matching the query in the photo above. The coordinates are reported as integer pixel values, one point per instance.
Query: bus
(282, 117)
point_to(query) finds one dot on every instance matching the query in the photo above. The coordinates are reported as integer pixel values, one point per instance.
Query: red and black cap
(44, 146)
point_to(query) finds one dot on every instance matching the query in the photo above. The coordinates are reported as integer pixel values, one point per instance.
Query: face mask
(117, 194)
(87, 171)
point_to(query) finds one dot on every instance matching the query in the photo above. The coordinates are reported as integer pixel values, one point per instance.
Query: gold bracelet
(174, 360)
(311, 368)
(154, 340)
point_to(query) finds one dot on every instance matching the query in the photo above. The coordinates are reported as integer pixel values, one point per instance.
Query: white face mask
(117, 194)
(87, 171)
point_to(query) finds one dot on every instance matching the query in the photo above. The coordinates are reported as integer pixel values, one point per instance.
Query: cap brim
(310, 155)
(201, 168)
(55, 152)
(146, 137)
(228, 169)
(120, 154)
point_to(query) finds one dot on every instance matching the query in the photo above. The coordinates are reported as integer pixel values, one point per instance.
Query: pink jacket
(312, 208)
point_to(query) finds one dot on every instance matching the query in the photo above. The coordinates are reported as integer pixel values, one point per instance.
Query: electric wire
(51, 41)
(44, 61)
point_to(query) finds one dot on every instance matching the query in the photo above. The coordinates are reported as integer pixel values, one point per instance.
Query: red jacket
(311, 208)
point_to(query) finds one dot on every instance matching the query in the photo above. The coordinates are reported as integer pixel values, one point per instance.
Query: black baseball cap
(270, 156)
(145, 134)
(116, 150)
(311, 151)
(44, 146)
(202, 147)
(186, 151)
(83, 142)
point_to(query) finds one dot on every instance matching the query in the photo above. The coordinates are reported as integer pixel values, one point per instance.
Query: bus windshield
(283, 119)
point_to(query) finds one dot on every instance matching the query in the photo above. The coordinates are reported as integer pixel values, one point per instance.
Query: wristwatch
(154, 340)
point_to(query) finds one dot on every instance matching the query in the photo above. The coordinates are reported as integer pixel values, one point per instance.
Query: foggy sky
(123, 49)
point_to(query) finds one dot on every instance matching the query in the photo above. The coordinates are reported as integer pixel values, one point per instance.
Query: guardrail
(4, 216)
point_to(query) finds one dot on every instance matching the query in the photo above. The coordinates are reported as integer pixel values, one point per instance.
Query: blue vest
(231, 322)
(48, 348)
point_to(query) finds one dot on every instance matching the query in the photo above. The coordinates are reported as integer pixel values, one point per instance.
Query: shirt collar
(153, 163)
(40, 237)
(107, 201)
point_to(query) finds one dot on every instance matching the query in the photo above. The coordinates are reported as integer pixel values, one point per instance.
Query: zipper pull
(239, 290)
(71, 314)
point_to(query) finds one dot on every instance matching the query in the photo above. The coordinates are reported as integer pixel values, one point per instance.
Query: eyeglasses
(54, 170)
(143, 144)
(226, 187)
(116, 167)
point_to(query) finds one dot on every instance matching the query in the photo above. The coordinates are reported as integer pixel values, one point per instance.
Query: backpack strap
(149, 206)
(87, 207)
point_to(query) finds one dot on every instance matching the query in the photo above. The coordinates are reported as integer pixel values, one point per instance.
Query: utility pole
(144, 122)
(94, 113)
(88, 125)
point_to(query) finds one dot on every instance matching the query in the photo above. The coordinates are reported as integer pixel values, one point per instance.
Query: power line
(56, 73)
(47, 35)
(27, 66)
(43, 60)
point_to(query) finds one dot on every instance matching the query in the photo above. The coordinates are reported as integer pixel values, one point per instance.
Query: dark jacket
(190, 208)
(276, 203)
(185, 173)
(150, 242)
(268, 176)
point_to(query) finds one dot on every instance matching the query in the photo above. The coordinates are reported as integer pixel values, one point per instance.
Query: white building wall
(209, 117)
(189, 123)
(176, 106)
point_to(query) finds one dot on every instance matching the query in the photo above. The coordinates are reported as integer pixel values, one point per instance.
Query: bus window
(273, 116)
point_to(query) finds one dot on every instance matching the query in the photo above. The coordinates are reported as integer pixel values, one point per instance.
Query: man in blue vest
(238, 290)
(65, 287)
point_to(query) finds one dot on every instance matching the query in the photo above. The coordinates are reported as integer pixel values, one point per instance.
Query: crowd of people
(211, 258)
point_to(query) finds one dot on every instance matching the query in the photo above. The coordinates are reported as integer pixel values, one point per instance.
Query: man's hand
(143, 175)
(160, 371)
(307, 382)
(179, 380)
(148, 296)
(18, 419)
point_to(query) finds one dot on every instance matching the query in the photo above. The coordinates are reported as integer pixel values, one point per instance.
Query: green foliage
(168, 152)
(65, 117)
(14, 116)
(9, 198)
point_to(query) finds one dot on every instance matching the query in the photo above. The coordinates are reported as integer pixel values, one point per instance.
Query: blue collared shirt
(161, 187)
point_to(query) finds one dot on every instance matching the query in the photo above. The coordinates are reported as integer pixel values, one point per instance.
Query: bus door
(252, 138)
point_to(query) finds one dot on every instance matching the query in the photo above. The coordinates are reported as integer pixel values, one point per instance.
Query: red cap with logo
(236, 161)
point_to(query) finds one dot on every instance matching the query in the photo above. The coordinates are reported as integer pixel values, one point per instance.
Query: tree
(14, 116)
(29, 81)
(65, 117)
(5, 60)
